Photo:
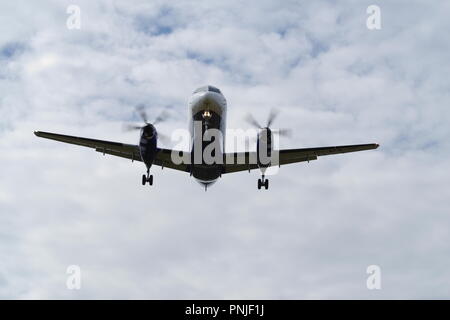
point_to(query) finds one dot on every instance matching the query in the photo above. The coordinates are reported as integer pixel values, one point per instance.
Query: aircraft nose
(209, 98)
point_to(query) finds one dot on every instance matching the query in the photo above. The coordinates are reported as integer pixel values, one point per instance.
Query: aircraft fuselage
(207, 110)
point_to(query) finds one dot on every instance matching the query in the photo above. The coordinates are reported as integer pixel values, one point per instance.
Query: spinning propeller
(273, 114)
(163, 116)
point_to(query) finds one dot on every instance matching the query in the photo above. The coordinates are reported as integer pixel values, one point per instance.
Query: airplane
(207, 112)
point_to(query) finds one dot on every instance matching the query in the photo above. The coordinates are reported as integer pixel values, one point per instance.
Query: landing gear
(147, 178)
(263, 182)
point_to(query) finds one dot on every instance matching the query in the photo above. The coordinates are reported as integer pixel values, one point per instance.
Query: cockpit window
(214, 89)
(207, 88)
(201, 89)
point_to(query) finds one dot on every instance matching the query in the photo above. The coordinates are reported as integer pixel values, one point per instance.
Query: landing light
(206, 115)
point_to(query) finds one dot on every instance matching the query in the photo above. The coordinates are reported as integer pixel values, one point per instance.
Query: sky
(312, 235)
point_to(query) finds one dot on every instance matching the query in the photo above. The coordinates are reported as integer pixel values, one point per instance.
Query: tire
(259, 184)
(144, 179)
(151, 180)
(266, 184)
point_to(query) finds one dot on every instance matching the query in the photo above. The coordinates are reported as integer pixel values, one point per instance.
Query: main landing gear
(147, 178)
(263, 182)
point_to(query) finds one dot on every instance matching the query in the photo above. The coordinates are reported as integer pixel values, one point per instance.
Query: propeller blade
(284, 132)
(131, 127)
(273, 114)
(163, 116)
(164, 138)
(141, 111)
(249, 118)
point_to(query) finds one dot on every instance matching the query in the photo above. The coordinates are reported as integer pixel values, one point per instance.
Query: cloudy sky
(311, 235)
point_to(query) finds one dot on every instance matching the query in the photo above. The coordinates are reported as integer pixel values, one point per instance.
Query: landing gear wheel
(266, 184)
(147, 178)
(259, 184)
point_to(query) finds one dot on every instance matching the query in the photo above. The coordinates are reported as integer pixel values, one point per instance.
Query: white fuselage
(207, 110)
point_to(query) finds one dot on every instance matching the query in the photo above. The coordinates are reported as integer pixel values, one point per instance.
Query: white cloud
(319, 226)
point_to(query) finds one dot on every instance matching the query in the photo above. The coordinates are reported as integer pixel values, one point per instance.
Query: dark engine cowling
(148, 144)
(264, 147)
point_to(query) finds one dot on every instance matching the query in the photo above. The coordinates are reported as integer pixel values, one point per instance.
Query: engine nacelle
(264, 147)
(148, 144)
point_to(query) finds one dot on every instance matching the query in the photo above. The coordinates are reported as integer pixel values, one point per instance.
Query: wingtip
(376, 145)
(36, 133)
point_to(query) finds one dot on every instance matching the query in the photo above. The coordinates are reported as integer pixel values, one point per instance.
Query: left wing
(123, 150)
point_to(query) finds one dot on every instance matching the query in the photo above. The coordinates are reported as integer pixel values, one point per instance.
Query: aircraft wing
(123, 150)
(288, 156)
(242, 160)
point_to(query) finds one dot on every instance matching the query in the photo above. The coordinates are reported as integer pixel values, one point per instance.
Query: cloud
(319, 226)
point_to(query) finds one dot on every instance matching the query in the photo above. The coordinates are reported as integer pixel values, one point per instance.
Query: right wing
(288, 156)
